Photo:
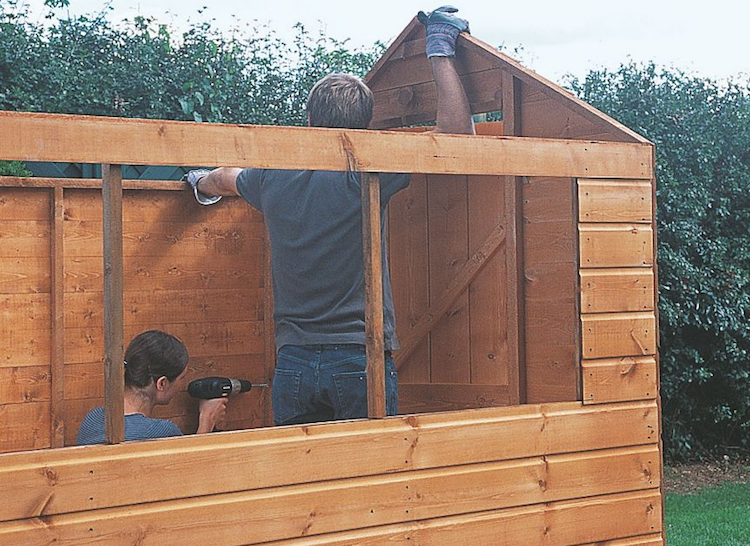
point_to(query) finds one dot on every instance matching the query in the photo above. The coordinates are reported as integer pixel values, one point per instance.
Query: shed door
(453, 265)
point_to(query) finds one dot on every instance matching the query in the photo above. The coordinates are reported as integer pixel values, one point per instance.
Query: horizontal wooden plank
(24, 238)
(449, 397)
(286, 454)
(25, 204)
(23, 426)
(161, 206)
(556, 524)
(643, 540)
(295, 512)
(24, 275)
(199, 271)
(618, 334)
(620, 379)
(38, 183)
(617, 290)
(159, 239)
(85, 309)
(58, 137)
(20, 348)
(24, 311)
(25, 384)
(614, 201)
(616, 245)
(202, 339)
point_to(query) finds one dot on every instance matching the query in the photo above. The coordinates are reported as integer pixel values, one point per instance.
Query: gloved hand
(442, 29)
(192, 178)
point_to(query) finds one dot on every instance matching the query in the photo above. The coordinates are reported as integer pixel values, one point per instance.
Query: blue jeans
(314, 383)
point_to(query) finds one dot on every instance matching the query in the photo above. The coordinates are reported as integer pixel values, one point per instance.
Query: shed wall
(201, 281)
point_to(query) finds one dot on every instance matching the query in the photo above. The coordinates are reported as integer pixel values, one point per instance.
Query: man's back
(314, 220)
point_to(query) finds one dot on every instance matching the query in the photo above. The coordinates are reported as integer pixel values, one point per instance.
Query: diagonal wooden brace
(457, 287)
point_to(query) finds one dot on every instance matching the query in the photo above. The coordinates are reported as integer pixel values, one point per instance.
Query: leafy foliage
(87, 65)
(702, 135)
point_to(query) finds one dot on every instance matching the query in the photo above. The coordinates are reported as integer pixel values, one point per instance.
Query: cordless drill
(219, 387)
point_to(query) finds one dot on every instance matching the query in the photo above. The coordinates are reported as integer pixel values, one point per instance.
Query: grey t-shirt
(314, 221)
(137, 427)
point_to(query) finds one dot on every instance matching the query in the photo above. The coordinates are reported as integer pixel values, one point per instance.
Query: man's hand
(442, 29)
(192, 178)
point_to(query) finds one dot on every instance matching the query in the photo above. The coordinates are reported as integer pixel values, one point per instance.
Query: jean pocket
(351, 395)
(285, 395)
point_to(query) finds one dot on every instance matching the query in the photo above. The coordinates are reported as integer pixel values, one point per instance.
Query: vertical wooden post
(269, 364)
(114, 373)
(372, 249)
(514, 245)
(57, 289)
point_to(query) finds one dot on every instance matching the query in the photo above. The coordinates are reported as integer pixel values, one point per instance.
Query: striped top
(137, 427)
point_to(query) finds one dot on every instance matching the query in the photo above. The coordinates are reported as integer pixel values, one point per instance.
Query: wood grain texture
(24, 239)
(448, 223)
(220, 462)
(618, 334)
(417, 103)
(618, 380)
(58, 137)
(24, 426)
(57, 311)
(614, 201)
(617, 290)
(114, 349)
(434, 397)
(373, 284)
(616, 245)
(491, 362)
(24, 384)
(455, 289)
(317, 509)
(408, 258)
(550, 286)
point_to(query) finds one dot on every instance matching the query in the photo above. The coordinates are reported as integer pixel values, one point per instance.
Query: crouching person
(155, 371)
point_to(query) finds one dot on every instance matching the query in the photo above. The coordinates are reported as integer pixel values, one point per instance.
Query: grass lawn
(717, 516)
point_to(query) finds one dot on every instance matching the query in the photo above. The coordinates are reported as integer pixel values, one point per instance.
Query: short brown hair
(340, 100)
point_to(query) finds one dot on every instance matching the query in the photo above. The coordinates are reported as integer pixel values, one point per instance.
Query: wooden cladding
(618, 245)
(613, 290)
(614, 201)
(388, 474)
(183, 272)
(619, 379)
(57, 137)
(619, 328)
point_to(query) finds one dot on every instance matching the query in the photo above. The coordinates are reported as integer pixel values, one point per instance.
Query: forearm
(221, 181)
(453, 111)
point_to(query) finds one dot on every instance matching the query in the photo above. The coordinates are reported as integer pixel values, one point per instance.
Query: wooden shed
(522, 263)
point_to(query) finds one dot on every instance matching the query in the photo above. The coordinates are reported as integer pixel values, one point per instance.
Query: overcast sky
(558, 37)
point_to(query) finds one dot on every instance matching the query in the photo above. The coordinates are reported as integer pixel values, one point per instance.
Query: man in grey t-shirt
(314, 221)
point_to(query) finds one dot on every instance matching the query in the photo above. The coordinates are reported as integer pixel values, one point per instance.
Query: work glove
(442, 29)
(192, 178)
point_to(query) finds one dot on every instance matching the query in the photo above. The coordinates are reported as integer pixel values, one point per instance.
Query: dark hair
(151, 355)
(340, 100)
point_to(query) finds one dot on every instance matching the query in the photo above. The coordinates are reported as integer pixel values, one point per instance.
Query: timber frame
(554, 433)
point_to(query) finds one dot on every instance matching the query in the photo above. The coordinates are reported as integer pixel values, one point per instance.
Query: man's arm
(209, 186)
(453, 111)
(442, 29)
(221, 181)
